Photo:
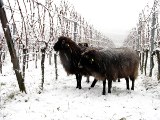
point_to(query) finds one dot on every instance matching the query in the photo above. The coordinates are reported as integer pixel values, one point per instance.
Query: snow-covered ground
(60, 100)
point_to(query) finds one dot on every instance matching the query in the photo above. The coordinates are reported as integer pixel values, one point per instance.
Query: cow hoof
(90, 88)
(103, 93)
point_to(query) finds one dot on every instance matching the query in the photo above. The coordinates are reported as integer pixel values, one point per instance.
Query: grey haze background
(114, 18)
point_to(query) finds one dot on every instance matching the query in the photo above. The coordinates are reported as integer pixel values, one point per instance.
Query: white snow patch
(60, 100)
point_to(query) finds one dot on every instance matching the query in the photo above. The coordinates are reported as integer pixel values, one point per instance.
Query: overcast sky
(112, 17)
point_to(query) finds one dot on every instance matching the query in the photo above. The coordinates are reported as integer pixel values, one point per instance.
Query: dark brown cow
(70, 54)
(111, 64)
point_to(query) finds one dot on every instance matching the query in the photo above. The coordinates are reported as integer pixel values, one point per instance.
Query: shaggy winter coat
(111, 64)
(70, 54)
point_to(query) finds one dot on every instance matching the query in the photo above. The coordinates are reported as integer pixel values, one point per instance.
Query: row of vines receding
(34, 27)
(145, 38)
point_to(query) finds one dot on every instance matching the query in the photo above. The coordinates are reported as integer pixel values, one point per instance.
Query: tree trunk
(24, 61)
(50, 58)
(33, 55)
(142, 62)
(27, 57)
(56, 70)
(145, 66)
(75, 31)
(43, 51)
(158, 60)
(4, 56)
(140, 56)
(12, 51)
(36, 59)
(1, 62)
(151, 64)
(152, 39)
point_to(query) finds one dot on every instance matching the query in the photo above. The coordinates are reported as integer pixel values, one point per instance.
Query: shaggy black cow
(83, 46)
(111, 64)
(70, 54)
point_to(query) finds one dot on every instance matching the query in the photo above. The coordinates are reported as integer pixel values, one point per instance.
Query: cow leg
(132, 79)
(78, 78)
(109, 86)
(127, 83)
(119, 80)
(104, 87)
(87, 79)
(77, 81)
(94, 82)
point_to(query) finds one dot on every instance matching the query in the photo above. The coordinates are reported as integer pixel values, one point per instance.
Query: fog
(114, 18)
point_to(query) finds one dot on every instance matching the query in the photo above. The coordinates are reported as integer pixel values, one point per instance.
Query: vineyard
(34, 28)
(145, 38)
(33, 83)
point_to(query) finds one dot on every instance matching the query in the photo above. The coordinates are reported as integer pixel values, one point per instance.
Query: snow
(158, 49)
(60, 100)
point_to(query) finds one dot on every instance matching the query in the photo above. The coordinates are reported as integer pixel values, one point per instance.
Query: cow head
(63, 43)
(89, 60)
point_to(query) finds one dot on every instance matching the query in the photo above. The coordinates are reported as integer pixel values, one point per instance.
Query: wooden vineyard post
(11, 49)
(56, 69)
(152, 39)
(43, 52)
(158, 60)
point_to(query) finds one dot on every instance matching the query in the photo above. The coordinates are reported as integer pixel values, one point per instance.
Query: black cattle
(111, 64)
(70, 54)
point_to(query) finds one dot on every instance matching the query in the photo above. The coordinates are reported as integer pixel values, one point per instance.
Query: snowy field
(60, 100)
